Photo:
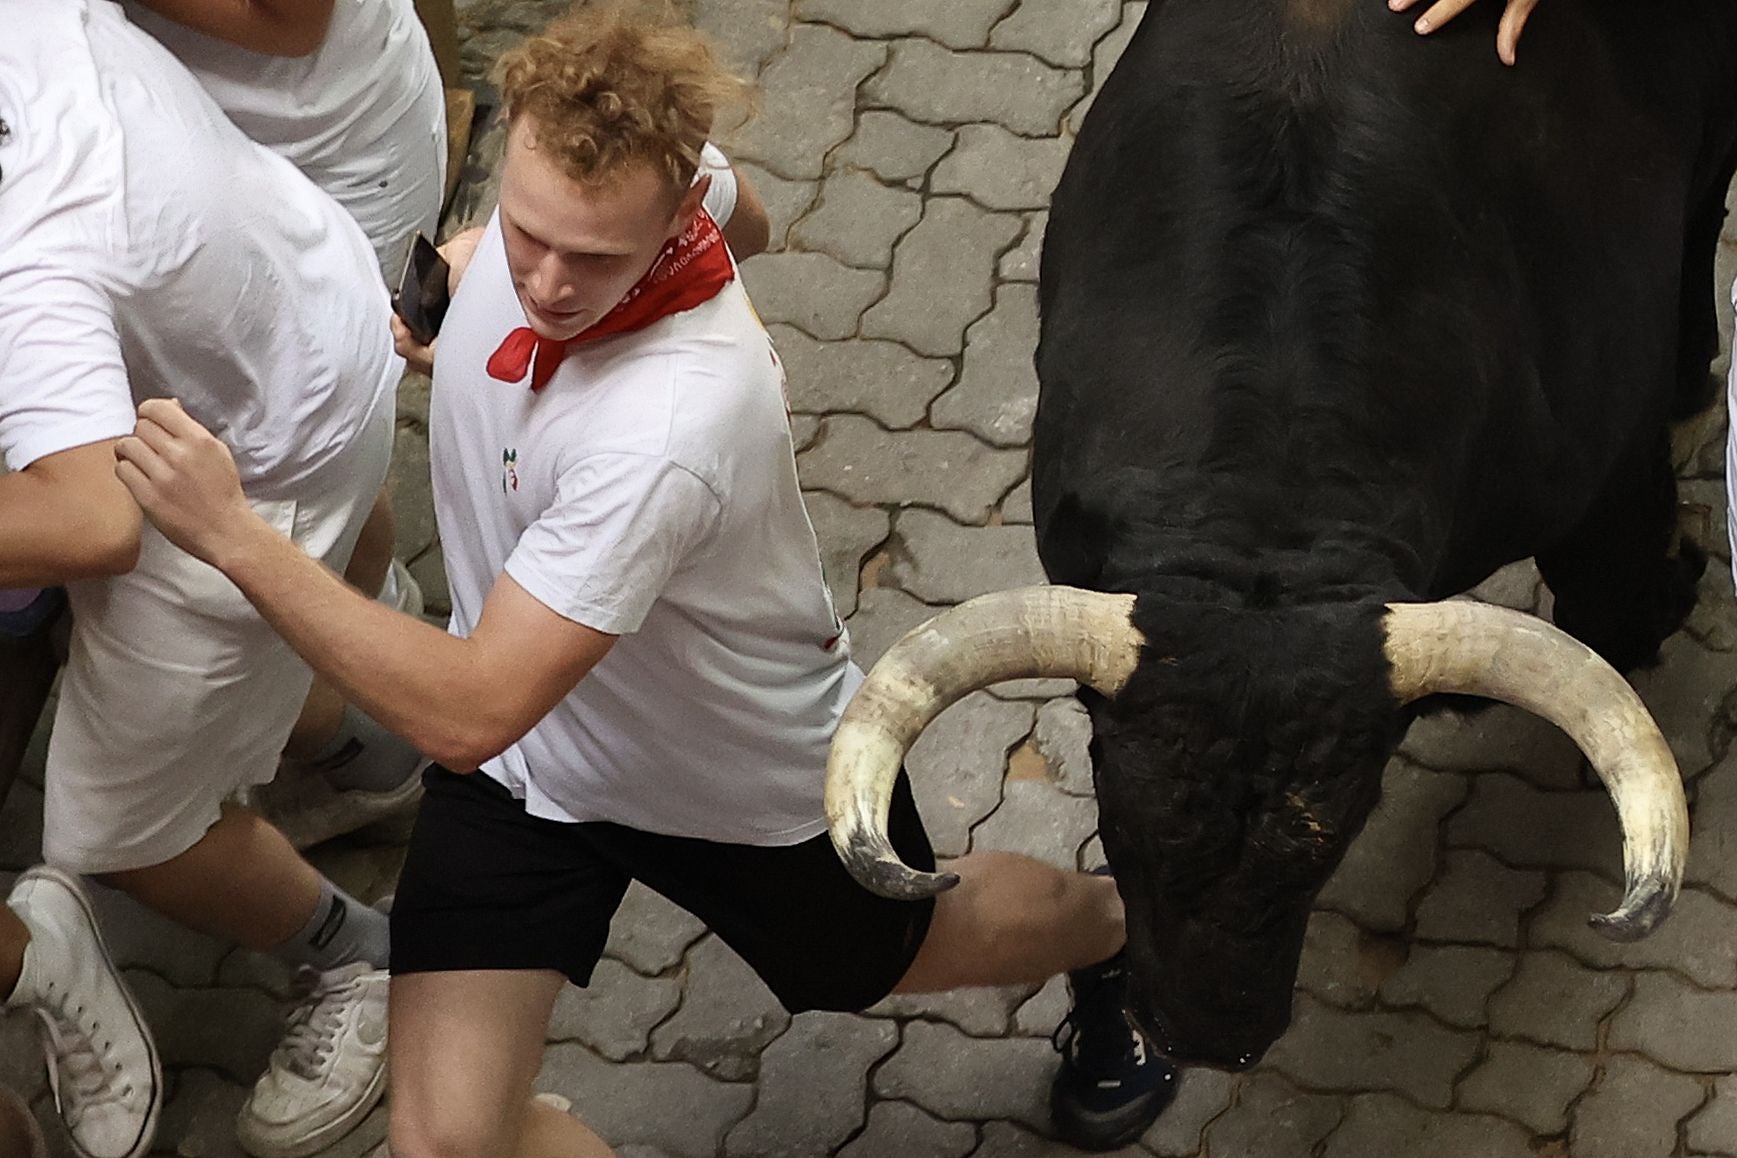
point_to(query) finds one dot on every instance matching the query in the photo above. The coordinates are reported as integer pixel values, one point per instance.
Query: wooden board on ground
(460, 116)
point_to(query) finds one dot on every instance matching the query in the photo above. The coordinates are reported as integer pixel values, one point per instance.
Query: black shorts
(488, 886)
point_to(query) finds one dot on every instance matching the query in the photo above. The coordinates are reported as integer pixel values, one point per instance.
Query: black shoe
(1112, 1085)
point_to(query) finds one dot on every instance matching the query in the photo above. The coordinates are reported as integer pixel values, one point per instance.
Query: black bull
(1334, 316)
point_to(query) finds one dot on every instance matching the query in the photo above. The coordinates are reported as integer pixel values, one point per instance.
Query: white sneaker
(102, 1065)
(327, 1073)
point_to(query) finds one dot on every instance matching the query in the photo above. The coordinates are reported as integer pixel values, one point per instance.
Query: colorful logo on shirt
(509, 471)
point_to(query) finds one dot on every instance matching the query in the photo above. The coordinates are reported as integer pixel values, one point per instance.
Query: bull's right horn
(1060, 632)
(1481, 650)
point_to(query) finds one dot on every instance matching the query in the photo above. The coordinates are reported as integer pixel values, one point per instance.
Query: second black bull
(1335, 322)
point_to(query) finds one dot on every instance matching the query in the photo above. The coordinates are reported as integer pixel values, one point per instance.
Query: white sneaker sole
(304, 1145)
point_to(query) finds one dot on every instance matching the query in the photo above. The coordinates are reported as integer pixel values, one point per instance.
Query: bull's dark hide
(1335, 316)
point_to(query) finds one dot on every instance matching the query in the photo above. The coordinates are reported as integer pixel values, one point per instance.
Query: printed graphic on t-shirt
(509, 471)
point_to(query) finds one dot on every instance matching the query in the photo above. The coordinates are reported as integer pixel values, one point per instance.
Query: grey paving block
(957, 765)
(1499, 738)
(1044, 1010)
(1381, 1126)
(412, 494)
(1394, 856)
(933, 85)
(883, 616)
(982, 1079)
(670, 1106)
(883, 380)
(1335, 966)
(1061, 735)
(232, 1031)
(1684, 693)
(810, 92)
(866, 463)
(813, 1086)
(892, 147)
(996, 397)
(1034, 689)
(750, 32)
(959, 24)
(901, 1130)
(1554, 1000)
(1529, 1083)
(1021, 262)
(983, 1011)
(943, 562)
(1698, 939)
(614, 1015)
(803, 428)
(1273, 1119)
(1634, 1110)
(1201, 1096)
(1332, 1049)
(1478, 900)
(199, 1115)
(1714, 620)
(858, 219)
(1454, 982)
(1531, 829)
(1713, 1129)
(1062, 32)
(1002, 170)
(726, 1018)
(1713, 823)
(1001, 1140)
(786, 201)
(651, 934)
(846, 535)
(1515, 586)
(811, 291)
(1037, 819)
(942, 277)
(1677, 1025)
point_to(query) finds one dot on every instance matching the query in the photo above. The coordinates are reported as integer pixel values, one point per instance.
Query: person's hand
(418, 357)
(185, 481)
(457, 252)
(1439, 13)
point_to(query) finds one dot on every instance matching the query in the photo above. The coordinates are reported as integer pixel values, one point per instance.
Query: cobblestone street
(1453, 1004)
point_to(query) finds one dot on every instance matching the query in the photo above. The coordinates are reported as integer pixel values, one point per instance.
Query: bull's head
(1218, 879)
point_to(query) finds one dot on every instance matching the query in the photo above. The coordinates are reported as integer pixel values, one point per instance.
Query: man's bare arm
(1507, 36)
(273, 27)
(66, 517)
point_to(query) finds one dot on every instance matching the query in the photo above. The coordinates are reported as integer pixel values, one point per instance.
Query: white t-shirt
(148, 249)
(649, 491)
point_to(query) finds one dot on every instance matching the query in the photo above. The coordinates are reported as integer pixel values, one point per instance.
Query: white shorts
(176, 692)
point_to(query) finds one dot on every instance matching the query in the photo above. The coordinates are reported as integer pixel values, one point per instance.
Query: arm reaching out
(1507, 36)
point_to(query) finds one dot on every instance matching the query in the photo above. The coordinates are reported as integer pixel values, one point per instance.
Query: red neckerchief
(692, 269)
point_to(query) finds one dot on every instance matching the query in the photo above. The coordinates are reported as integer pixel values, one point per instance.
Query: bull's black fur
(1335, 316)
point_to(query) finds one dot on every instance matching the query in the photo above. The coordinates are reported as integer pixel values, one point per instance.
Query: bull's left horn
(1480, 650)
(1035, 632)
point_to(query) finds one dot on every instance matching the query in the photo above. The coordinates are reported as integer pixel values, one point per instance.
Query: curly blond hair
(606, 86)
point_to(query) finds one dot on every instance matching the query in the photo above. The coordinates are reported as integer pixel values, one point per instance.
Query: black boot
(1112, 1085)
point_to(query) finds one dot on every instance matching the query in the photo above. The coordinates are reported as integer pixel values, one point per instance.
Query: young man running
(644, 662)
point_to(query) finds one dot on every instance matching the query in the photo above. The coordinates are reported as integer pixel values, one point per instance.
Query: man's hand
(186, 482)
(457, 251)
(1439, 13)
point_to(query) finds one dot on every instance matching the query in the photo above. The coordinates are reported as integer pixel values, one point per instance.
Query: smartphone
(422, 295)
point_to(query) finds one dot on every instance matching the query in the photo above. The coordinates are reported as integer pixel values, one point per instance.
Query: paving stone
(1515, 586)
(958, 1077)
(943, 562)
(651, 934)
(1531, 829)
(1381, 1125)
(1701, 514)
(1021, 262)
(726, 1018)
(1678, 1025)
(846, 535)
(413, 394)
(959, 24)
(1334, 967)
(957, 765)
(1038, 689)
(1001, 1140)
(901, 1130)
(980, 1012)
(1634, 1110)
(199, 1115)
(858, 219)
(1498, 739)
(1529, 1083)
(1061, 32)
(1555, 1000)
(1698, 939)
(1714, 620)
(749, 31)
(930, 84)
(1272, 1119)
(670, 1106)
(429, 571)
(1044, 1011)
(138, 938)
(1478, 900)
(1061, 736)
(1002, 170)
(811, 85)
(614, 1015)
(811, 291)
(412, 494)
(786, 201)
(881, 379)
(1713, 823)
(1713, 1130)
(1683, 693)
(866, 463)
(892, 147)
(813, 1082)
(942, 275)
(21, 1064)
(1016, 507)
(996, 398)
(1201, 1096)
(1104, 57)
(884, 615)
(1334, 1050)
(1454, 982)
(1039, 820)
(803, 428)
(232, 1031)
(1394, 856)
